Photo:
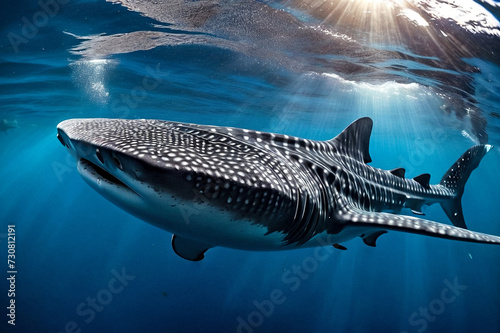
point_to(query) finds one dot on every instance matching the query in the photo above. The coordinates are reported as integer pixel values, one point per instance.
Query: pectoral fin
(357, 217)
(189, 249)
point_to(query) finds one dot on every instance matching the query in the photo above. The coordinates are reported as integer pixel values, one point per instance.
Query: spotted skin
(259, 190)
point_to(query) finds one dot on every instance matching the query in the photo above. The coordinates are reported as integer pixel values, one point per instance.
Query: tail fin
(455, 179)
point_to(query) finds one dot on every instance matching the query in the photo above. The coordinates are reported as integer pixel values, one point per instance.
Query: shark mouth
(101, 179)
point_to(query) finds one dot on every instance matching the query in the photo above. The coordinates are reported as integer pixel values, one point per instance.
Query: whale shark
(238, 188)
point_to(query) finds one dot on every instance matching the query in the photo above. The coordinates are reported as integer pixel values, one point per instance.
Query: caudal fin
(455, 179)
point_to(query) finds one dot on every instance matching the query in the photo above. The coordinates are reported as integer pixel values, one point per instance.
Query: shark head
(183, 178)
(115, 165)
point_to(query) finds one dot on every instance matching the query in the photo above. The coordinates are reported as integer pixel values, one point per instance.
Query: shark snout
(67, 143)
(61, 140)
(105, 163)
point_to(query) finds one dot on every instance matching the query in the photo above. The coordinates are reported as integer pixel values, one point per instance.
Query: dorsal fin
(398, 172)
(371, 239)
(355, 139)
(423, 180)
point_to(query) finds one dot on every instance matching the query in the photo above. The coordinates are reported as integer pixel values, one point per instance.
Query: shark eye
(117, 163)
(99, 155)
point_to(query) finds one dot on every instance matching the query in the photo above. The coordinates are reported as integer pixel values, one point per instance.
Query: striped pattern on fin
(354, 141)
(356, 217)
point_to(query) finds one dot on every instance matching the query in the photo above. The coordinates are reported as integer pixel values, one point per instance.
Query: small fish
(6, 125)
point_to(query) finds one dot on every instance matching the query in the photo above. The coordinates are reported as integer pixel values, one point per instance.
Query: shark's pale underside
(219, 186)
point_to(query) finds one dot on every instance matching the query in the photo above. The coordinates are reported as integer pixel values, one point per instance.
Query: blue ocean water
(426, 72)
